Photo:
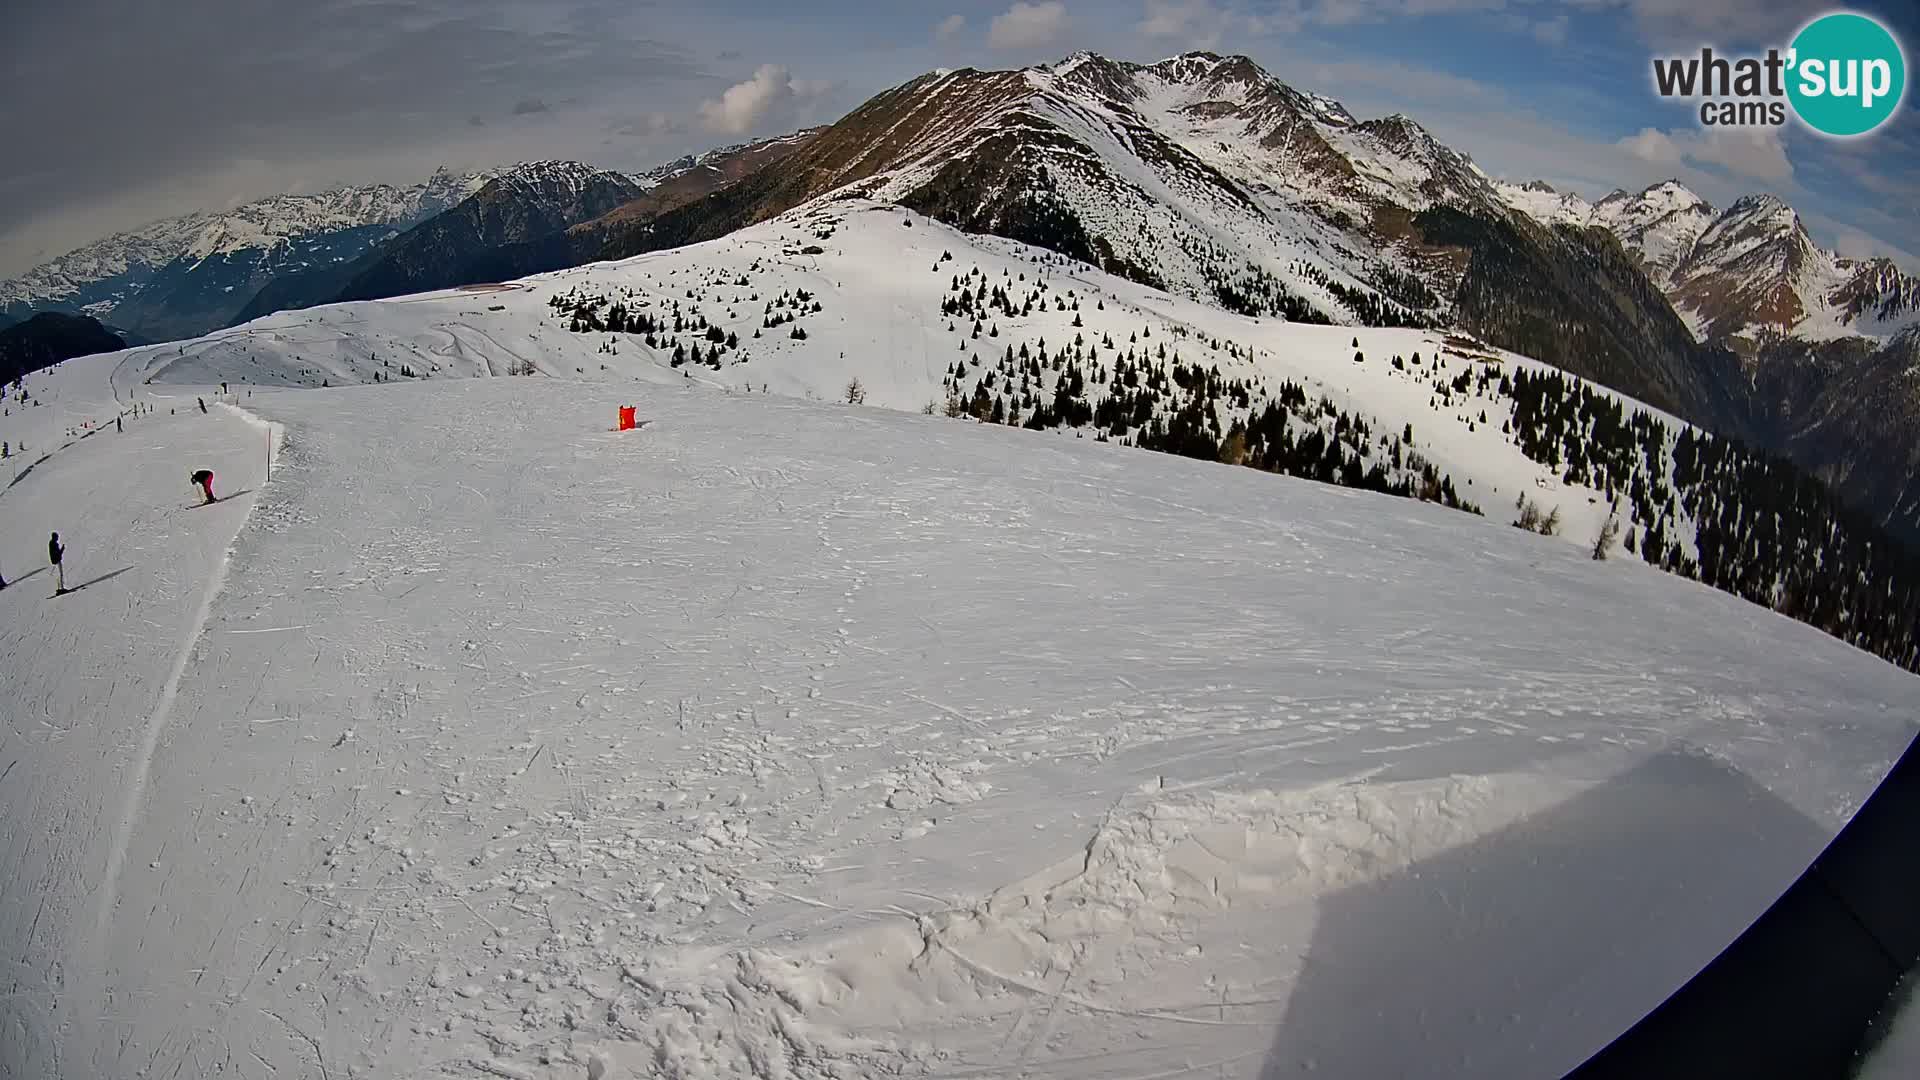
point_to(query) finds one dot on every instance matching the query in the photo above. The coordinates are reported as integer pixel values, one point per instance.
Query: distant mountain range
(1204, 176)
(186, 275)
(671, 187)
(531, 199)
(1741, 275)
(1828, 345)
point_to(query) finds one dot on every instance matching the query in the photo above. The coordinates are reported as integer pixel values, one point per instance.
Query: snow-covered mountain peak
(1672, 194)
(1661, 223)
(1650, 202)
(1764, 202)
(1211, 69)
(1093, 76)
(447, 187)
(550, 175)
(1330, 111)
(1546, 204)
(1402, 134)
(1879, 296)
(1653, 203)
(1755, 268)
(1737, 273)
(1755, 223)
(1075, 62)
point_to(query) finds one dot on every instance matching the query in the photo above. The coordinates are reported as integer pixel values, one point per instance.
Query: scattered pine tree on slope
(1702, 507)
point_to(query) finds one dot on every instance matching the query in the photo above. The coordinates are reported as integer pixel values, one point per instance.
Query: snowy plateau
(788, 737)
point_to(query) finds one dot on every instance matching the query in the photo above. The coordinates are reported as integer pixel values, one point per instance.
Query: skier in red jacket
(204, 478)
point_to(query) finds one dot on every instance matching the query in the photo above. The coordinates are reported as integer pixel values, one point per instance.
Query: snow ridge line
(95, 966)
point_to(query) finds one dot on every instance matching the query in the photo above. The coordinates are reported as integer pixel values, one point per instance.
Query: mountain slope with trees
(868, 303)
(48, 338)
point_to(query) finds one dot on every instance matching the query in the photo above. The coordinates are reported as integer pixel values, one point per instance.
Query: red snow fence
(626, 418)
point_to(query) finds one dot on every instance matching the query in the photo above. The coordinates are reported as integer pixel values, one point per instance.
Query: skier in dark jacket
(55, 551)
(203, 403)
(204, 478)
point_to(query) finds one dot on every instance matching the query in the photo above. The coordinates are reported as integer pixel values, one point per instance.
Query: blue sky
(206, 103)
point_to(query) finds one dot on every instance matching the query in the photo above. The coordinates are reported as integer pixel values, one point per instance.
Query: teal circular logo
(1847, 74)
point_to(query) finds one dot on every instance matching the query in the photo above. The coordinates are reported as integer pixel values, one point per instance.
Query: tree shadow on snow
(98, 580)
(1524, 952)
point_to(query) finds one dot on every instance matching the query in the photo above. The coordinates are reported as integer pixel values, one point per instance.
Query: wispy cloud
(1755, 153)
(1028, 25)
(949, 27)
(1197, 24)
(1729, 23)
(299, 94)
(1551, 31)
(649, 125)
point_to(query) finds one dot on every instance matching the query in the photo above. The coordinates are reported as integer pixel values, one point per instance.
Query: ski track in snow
(140, 567)
(791, 740)
(156, 722)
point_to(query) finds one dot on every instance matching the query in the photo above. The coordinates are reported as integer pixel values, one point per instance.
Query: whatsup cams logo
(1843, 75)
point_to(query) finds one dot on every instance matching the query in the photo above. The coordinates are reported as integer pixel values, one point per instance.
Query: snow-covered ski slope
(90, 676)
(880, 284)
(798, 739)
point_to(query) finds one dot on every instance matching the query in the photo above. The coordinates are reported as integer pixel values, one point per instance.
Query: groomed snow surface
(792, 739)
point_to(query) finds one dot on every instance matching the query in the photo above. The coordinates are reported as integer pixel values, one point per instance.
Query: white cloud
(1757, 153)
(1654, 145)
(949, 26)
(1551, 31)
(1200, 24)
(1204, 24)
(1028, 26)
(1860, 244)
(1866, 232)
(768, 100)
(1175, 18)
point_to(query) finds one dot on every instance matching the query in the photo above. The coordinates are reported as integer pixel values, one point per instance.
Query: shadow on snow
(1524, 952)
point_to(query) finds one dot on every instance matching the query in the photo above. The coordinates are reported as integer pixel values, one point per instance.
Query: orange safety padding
(626, 418)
